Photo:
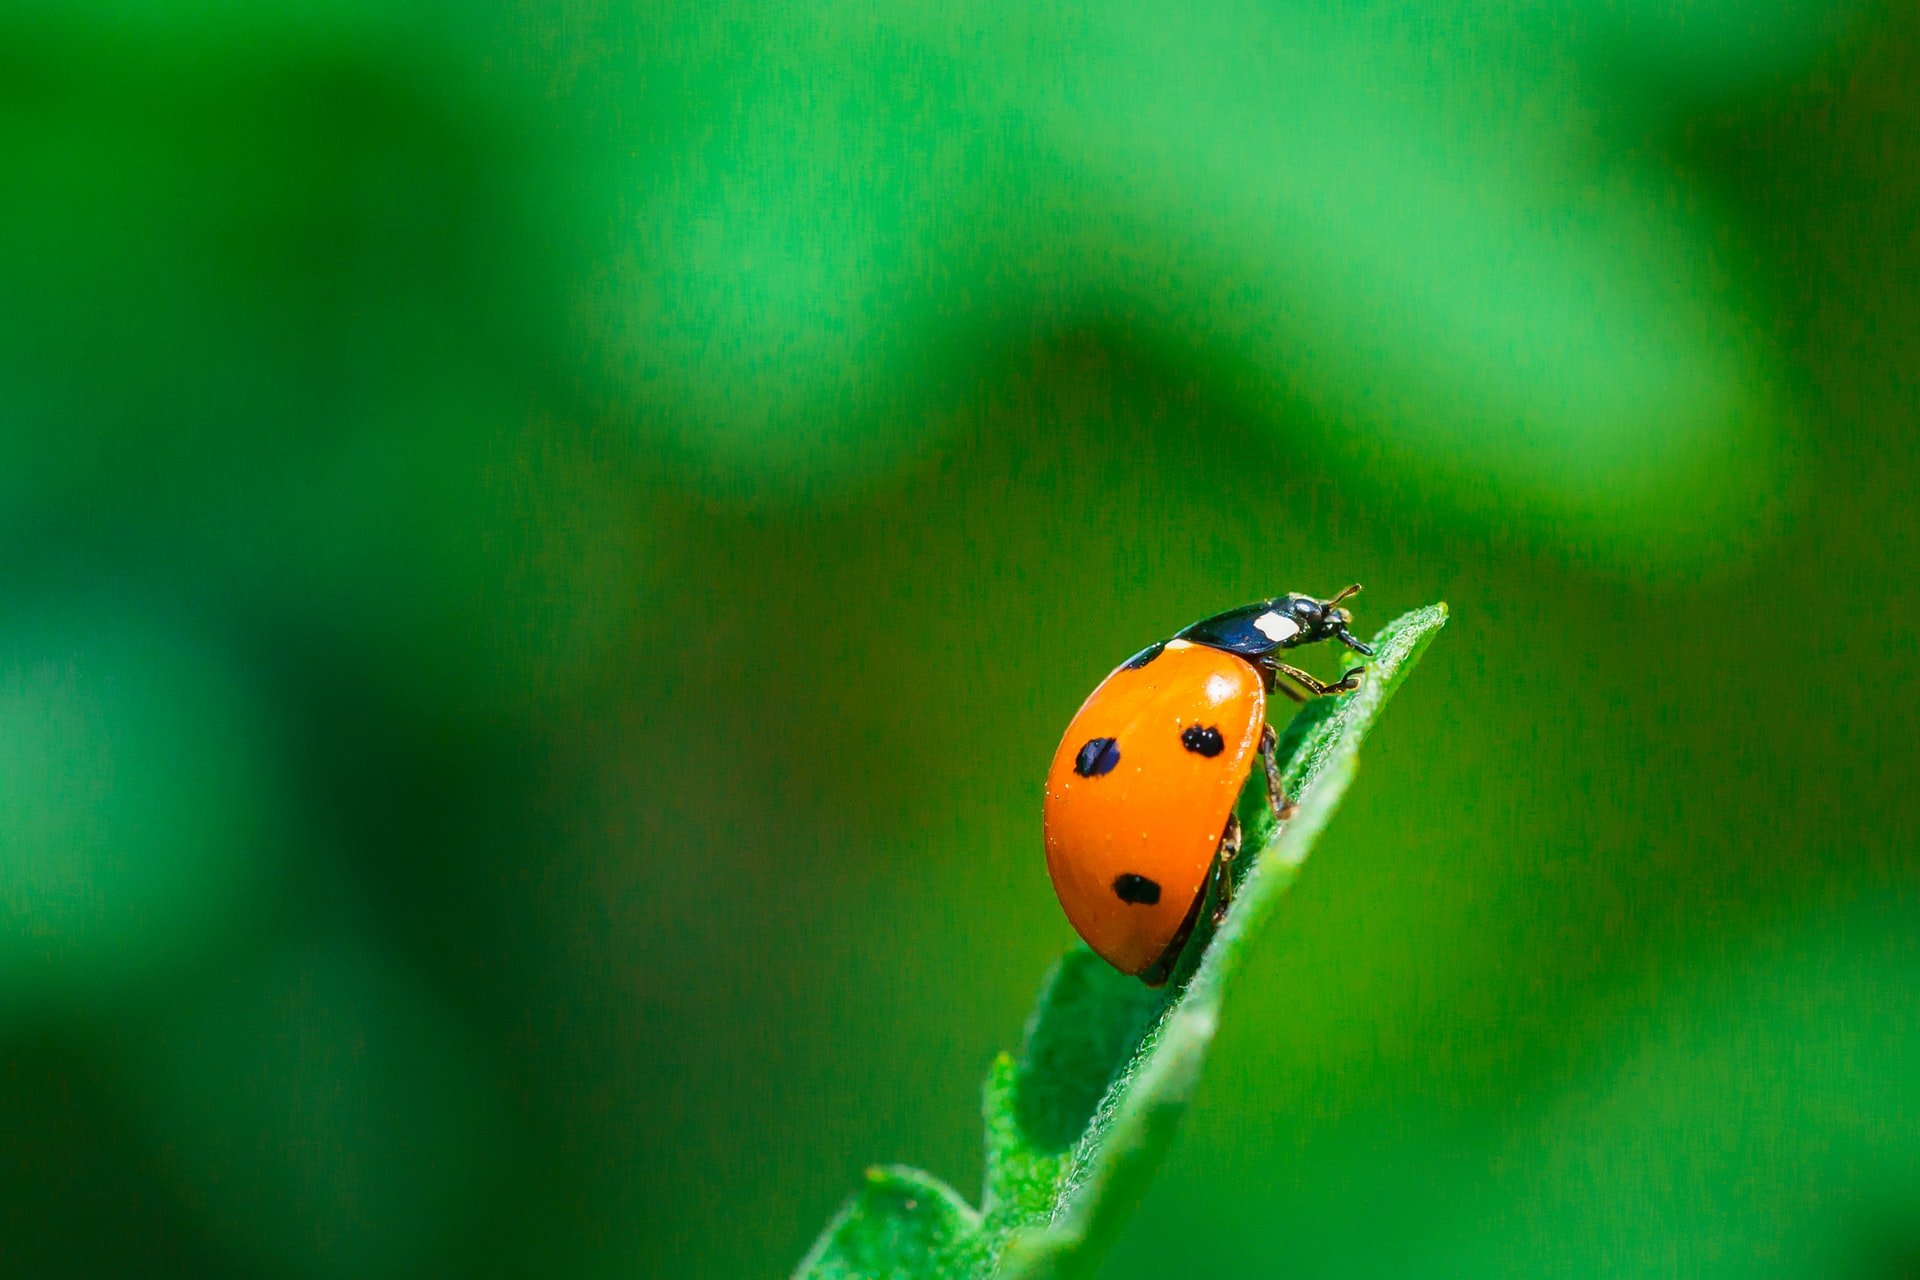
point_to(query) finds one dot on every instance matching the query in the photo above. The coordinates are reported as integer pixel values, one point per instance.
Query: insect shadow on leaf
(1089, 1020)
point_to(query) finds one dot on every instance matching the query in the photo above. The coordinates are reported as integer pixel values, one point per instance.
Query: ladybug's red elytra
(1140, 797)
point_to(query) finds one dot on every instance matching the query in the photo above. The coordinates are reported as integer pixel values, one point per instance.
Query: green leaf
(903, 1225)
(1077, 1120)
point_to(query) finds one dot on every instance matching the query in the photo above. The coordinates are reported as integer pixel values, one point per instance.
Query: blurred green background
(544, 550)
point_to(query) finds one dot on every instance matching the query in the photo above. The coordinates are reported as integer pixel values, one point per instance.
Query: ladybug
(1140, 801)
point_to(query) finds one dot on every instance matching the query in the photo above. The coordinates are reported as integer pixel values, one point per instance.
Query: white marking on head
(1276, 628)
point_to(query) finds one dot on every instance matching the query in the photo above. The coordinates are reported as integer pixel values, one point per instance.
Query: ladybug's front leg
(1318, 688)
(1277, 801)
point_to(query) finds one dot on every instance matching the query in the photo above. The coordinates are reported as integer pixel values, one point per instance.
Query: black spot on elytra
(1143, 657)
(1097, 757)
(1137, 890)
(1203, 740)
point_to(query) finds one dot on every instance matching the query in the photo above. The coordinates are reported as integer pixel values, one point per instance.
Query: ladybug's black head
(1325, 620)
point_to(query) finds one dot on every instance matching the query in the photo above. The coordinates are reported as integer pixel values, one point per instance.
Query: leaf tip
(901, 1222)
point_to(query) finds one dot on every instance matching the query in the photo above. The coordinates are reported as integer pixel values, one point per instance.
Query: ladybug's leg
(1277, 801)
(1275, 685)
(1346, 684)
(1223, 868)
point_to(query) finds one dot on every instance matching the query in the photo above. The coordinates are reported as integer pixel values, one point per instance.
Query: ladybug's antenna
(1344, 636)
